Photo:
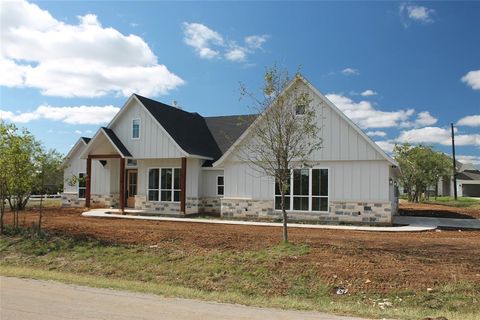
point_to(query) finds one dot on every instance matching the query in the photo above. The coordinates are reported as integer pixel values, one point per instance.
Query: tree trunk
(40, 214)
(285, 218)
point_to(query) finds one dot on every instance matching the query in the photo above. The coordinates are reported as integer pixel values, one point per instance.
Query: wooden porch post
(183, 185)
(122, 184)
(88, 181)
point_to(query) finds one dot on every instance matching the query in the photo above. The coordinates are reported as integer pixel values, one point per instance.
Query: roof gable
(348, 123)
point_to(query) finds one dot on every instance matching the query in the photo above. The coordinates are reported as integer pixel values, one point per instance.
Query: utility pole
(454, 165)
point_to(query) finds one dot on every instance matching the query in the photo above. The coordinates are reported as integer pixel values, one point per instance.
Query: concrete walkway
(102, 213)
(26, 299)
(438, 222)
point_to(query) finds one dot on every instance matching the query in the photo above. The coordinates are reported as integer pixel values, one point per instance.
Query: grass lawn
(460, 203)
(260, 277)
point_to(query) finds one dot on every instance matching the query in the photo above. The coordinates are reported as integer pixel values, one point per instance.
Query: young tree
(421, 167)
(284, 134)
(20, 152)
(49, 177)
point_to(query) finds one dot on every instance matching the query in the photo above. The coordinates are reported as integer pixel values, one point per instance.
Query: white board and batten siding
(104, 178)
(357, 171)
(208, 184)
(74, 165)
(153, 143)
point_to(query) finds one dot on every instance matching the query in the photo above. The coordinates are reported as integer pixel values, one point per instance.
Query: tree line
(26, 167)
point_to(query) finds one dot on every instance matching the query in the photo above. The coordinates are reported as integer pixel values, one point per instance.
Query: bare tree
(284, 134)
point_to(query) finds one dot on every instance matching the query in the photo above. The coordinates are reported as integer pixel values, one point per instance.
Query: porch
(114, 179)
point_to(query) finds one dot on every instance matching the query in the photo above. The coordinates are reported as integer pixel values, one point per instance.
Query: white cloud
(470, 121)
(94, 115)
(386, 146)
(87, 59)
(425, 119)
(366, 116)
(468, 159)
(472, 79)
(78, 132)
(416, 13)
(236, 54)
(202, 39)
(256, 41)
(436, 135)
(368, 93)
(209, 43)
(376, 133)
(350, 72)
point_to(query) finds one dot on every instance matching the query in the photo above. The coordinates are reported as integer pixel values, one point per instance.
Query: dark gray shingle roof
(117, 142)
(197, 135)
(227, 129)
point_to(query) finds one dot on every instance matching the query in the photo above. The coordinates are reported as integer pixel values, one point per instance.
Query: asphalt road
(27, 299)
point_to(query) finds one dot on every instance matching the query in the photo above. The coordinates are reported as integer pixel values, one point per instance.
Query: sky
(402, 71)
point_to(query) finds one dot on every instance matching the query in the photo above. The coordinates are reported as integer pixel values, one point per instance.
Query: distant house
(468, 182)
(161, 159)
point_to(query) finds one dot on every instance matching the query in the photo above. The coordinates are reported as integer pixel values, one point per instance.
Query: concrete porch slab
(103, 213)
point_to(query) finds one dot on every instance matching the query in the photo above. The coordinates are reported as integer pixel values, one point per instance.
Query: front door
(131, 187)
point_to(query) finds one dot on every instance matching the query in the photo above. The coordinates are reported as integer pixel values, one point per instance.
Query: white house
(161, 159)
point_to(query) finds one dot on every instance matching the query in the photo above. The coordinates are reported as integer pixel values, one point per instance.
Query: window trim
(139, 129)
(223, 185)
(310, 196)
(131, 166)
(172, 190)
(78, 185)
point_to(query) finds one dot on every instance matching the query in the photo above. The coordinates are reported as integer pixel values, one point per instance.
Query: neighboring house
(161, 159)
(468, 182)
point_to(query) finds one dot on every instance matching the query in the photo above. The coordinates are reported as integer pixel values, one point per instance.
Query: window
(164, 184)
(135, 128)
(319, 190)
(300, 109)
(153, 184)
(82, 185)
(309, 191)
(220, 186)
(131, 163)
(301, 189)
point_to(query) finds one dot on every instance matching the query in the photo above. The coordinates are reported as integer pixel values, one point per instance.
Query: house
(161, 159)
(468, 182)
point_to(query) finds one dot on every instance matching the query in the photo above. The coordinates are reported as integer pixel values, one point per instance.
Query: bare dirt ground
(438, 211)
(363, 261)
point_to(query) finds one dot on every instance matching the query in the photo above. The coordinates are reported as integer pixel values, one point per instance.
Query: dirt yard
(363, 261)
(438, 210)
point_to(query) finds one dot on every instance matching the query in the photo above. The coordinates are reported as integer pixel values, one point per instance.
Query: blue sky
(403, 71)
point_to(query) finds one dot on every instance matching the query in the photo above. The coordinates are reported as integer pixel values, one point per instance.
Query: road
(27, 299)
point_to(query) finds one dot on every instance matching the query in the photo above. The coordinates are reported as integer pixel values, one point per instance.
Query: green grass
(461, 202)
(251, 277)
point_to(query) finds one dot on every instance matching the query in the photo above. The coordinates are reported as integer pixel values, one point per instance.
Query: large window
(308, 191)
(153, 184)
(135, 128)
(164, 184)
(82, 185)
(220, 186)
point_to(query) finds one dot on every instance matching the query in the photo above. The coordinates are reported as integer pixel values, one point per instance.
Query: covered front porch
(115, 180)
